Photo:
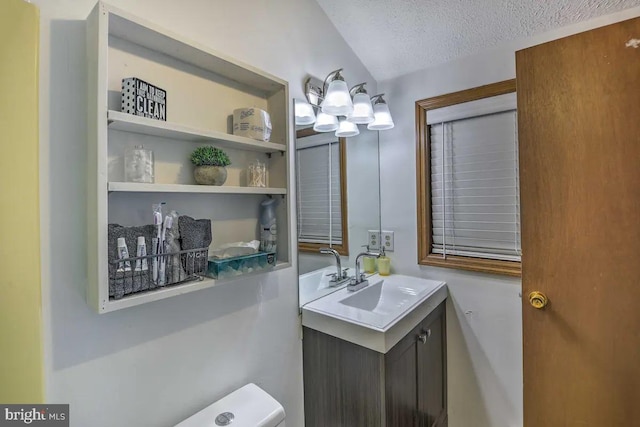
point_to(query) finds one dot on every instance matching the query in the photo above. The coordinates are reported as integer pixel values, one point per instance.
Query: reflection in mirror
(338, 190)
(322, 192)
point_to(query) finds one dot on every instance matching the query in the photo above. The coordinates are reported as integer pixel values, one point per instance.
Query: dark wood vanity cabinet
(346, 385)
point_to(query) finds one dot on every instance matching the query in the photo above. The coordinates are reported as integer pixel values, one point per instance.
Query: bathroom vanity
(377, 357)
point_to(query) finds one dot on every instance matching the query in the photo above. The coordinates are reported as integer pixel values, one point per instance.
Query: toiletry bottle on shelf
(384, 264)
(141, 251)
(123, 253)
(268, 229)
(369, 263)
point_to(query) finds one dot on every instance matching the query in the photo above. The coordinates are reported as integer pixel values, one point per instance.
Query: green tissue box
(224, 268)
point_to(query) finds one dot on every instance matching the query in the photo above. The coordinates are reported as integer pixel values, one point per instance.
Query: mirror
(338, 203)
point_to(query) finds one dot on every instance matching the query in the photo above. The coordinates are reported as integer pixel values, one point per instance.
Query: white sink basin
(380, 299)
(317, 283)
(379, 315)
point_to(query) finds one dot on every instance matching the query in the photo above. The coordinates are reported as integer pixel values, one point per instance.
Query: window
(321, 182)
(468, 190)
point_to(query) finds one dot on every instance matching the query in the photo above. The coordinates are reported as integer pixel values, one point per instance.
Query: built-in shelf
(129, 123)
(170, 291)
(135, 187)
(204, 87)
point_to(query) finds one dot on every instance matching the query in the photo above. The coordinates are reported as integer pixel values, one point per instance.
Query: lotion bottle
(369, 263)
(384, 264)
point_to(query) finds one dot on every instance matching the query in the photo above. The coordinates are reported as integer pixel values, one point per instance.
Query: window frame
(343, 248)
(423, 183)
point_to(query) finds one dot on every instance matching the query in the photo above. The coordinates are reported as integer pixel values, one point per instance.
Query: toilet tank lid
(250, 405)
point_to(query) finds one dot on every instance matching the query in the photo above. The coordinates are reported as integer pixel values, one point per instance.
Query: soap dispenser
(384, 264)
(369, 263)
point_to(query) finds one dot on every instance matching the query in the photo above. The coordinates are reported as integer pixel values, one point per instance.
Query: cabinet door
(401, 387)
(431, 370)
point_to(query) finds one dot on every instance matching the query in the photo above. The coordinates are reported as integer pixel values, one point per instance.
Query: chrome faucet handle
(344, 273)
(338, 276)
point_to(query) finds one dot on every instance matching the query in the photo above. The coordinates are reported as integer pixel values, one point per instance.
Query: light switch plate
(374, 240)
(387, 240)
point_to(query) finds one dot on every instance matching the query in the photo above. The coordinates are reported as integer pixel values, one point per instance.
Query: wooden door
(579, 137)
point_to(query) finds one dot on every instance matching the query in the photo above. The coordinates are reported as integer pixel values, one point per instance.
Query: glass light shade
(304, 113)
(383, 120)
(362, 110)
(337, 100)
(325, 123)
(347, 129)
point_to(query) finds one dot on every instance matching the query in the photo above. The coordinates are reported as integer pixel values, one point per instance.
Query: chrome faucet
(359, 281)
(341, 275)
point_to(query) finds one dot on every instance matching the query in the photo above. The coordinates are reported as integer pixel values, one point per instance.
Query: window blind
(319, 202)
(474, 187)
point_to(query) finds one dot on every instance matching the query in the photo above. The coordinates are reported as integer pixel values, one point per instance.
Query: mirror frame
(343, 248)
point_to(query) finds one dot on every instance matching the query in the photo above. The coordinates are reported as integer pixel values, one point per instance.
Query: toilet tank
(249, 406)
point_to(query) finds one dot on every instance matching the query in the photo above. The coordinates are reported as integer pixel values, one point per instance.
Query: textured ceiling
(395, 37)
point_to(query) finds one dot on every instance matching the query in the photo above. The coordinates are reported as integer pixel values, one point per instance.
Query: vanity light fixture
(332, 98)
(362, 110)
(337, 100)
(347, 129)
(383, 120)
(325, 123)
(304, 113)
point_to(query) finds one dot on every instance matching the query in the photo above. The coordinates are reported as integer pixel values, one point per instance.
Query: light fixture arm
(359, 88)
(334, 75)
(378, 99)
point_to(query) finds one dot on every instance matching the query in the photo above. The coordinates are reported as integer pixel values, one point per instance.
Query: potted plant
(210, 165)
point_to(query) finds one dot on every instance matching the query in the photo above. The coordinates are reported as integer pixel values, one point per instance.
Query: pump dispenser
(384, 264)
(369, 263)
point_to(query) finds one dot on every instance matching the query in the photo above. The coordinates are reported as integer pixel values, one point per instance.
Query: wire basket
(140, 274)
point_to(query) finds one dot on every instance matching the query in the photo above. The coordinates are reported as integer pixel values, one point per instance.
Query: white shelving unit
(203, 88)
(134, 187)
(170, 291)
(135, 124)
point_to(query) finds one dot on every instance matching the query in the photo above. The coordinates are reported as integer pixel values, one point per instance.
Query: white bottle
(123, 253)
(141, 251)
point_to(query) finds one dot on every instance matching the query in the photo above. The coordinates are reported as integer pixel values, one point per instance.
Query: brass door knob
(538, 299)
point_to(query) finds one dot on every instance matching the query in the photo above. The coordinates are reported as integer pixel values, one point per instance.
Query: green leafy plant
(209, 156)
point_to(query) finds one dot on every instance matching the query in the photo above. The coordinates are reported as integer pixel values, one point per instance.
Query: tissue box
(231, 267)
(252, 123)
(143, 99)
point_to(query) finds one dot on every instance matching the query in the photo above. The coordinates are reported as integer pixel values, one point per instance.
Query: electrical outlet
(387, 240)
(374, 240)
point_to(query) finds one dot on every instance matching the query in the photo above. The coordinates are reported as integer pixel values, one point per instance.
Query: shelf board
(129, 123)
(169, 291)
(139, 31)
(135, 187)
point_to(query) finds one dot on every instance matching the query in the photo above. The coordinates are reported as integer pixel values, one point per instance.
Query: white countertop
(379, 315)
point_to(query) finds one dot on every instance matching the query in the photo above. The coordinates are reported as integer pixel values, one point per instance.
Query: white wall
(484, 312)
(156, 364)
